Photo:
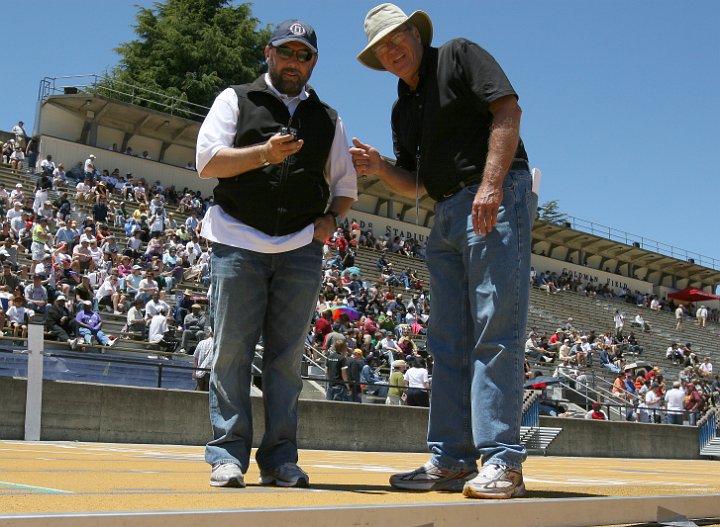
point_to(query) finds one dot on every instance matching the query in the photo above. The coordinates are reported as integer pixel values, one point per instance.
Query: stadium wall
(114, 414)
(70, 154)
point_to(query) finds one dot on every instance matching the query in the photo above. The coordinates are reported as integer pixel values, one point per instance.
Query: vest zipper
(284, 169)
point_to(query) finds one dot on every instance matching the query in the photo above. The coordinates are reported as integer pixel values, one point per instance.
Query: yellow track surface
(70, 477)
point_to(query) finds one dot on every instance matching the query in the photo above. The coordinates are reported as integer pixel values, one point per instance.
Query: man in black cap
(284, 181)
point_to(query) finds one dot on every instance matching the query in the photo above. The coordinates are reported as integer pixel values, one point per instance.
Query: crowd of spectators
(552, 282)
(639, 389)
(370, 322)
(102, 243)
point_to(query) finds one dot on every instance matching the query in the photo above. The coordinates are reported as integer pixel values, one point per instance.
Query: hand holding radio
(280, 146)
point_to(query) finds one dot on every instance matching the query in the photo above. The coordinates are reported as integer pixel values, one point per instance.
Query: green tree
(191, 50)
(549, 212)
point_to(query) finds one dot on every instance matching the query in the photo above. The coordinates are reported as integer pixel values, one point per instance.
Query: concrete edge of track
(567, 512)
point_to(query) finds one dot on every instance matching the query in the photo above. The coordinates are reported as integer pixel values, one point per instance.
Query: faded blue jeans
(252, 294)
(480, 292)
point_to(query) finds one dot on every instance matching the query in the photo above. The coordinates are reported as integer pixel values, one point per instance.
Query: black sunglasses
(302, 55)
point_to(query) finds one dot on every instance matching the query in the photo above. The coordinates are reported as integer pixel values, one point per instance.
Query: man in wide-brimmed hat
(456, 137)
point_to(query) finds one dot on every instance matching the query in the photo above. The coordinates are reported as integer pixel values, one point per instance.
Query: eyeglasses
(302, 55)
(397, 39)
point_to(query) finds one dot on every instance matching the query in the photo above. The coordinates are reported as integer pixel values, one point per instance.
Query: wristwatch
(263, 159)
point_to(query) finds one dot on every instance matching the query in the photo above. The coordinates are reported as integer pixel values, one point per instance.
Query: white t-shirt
(158, 327)
(416, 377)
(218, 131)
(675, 400)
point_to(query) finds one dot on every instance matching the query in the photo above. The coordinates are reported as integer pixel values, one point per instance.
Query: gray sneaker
(227, 475)
(432, 477)
(286, 475)
(496, 482)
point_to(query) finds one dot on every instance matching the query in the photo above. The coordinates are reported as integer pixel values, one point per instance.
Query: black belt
(517, 164)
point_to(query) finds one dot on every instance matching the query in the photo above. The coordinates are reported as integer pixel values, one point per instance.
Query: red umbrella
(692, 294)
(353, 314)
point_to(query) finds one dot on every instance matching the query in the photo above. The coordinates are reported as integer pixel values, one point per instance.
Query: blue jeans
(252, 294)
(87, 334)
(480, 294)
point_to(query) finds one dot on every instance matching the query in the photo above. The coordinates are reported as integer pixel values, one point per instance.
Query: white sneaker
(227, 475)
(111, 342)
(496, 482)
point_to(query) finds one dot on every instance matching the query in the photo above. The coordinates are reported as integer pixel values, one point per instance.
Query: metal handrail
(617, 235)
(119, 90)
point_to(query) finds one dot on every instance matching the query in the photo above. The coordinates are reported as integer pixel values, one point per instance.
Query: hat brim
(418, 19)
(281, 41)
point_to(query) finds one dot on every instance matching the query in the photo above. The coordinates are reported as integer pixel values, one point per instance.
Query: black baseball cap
(294, 31)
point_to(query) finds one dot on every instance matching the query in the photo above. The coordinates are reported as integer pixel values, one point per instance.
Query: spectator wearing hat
(193, 328)
(596, 412)
(183, 307)
(650, 405)
(20, 134)
(82, 257)
(202, 359)
(135, 320)
(60, 323)
(17, 158)
(336, 372)
(17, 194)
(89, 325)
(694, 403)
(41, 237)
(89, 167)
(701, 316)
(396, 384)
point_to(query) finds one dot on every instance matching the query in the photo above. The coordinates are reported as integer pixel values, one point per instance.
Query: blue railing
(531, 414)
(708, 429)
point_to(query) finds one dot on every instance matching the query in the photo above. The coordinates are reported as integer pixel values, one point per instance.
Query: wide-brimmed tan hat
(384, 19)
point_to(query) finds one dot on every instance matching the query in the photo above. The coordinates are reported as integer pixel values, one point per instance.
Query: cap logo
(297, 30)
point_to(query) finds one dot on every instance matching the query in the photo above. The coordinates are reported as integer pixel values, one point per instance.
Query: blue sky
(620, 98)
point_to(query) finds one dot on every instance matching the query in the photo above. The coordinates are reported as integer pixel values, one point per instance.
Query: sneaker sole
(301, 483)
(232, 482)
(454, 485)
(517, 492)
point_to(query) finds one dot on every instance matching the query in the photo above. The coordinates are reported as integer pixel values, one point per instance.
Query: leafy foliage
(549, 212)
(192, 49)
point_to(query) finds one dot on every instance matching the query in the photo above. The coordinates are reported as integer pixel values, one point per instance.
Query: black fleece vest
(284, 198)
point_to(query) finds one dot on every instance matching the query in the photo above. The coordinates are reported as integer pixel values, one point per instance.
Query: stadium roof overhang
(129, 118)
(633, 254)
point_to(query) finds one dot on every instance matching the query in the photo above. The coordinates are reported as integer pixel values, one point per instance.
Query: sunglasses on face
(302, 55)
(396, 39)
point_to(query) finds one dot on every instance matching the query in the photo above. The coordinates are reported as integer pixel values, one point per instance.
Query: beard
(287, 86)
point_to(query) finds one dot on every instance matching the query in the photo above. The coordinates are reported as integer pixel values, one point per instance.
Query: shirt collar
(429, 57)
(286, 98)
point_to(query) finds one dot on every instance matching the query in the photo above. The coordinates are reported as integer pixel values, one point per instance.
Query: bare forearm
(401, 181)
(503, 142)
(230, 162)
